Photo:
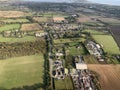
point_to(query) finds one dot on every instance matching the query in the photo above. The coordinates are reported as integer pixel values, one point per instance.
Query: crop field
(108, 43)
(109, 75)
(14, 20)
(94, 32)
(115, 31)
(9, 27)
(12, 40)
(42, 19)
(89, 59)
(65, 84)
(11, 14)
(31, 27)
(21, 71)
(110, 20)
(69, 40)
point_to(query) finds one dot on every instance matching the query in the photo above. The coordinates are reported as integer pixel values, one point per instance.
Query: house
(7, 33)
(40, 34)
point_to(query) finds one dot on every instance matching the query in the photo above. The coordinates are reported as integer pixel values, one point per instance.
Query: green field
(65, 84)
(9, 27)
(73, 50)
(12, 40)
(68, 40)
(21, 71)
(109, 44)
(94, 32)
(15, 20)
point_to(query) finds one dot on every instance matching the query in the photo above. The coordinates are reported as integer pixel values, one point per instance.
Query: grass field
(69, 40)
(94, 32)
(21, 71)
(109, 44)
(15, 20)
(65, 84)
(73, 50)
(9, 27)
(12, 40)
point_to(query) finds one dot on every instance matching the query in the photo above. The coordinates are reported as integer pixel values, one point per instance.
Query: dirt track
(109, 75)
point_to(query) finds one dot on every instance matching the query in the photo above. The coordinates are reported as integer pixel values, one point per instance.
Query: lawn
(65, 84)
(21, 71)
(9, 27)
(15, 20)
(109, 44)
(68, 40)
(12, 40)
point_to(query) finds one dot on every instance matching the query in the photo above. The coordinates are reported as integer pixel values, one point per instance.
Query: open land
(31, 27)
(108, 43)
(109, 75)
(21, 71)
(9, 27)
(115, 31)
(12, 40)
(65, 84)
(14, 20)
(11, 14)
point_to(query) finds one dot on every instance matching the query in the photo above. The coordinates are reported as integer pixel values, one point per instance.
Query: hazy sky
(112, 2)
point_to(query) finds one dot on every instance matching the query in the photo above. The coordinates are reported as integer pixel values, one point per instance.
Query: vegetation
(108, 43)
(22, 71)
(13, 39)
(58, 41)
(65, 84)
(9, 27)
(21, 49)
(15, 20)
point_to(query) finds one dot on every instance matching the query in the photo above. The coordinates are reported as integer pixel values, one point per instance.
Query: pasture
(31, 27)
(15, 20)
(9, 27)
(68, 40)
(21, 71)
(65, 84)
(12, 40)
(108, 43)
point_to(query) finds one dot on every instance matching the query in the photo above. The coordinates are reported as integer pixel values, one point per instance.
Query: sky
(111, 2)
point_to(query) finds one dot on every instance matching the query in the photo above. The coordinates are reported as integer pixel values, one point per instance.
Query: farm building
(80, 66)
(58, 19)
(40, 34)
(6, 33)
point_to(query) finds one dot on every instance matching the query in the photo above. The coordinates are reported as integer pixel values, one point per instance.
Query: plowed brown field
(109, 75)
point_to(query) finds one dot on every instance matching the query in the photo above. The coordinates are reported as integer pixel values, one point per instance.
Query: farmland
(108, 75)
(13, 40)
(75, 49)
(9, 27)
(108, 43)
(42, 19)
(69, 40)
(65, 84)
(30, 27)
(11, 14)
(21, 71)
(115, 31)
(14, 20)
